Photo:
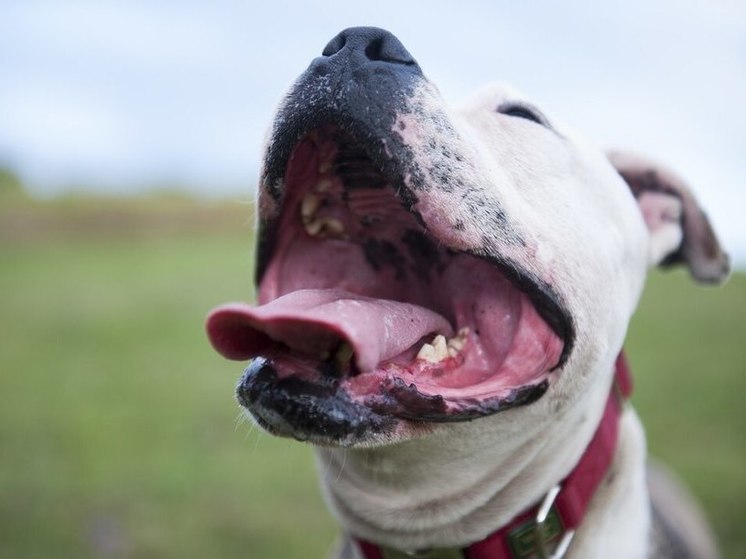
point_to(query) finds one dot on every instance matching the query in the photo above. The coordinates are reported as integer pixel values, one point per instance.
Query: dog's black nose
(368, 44)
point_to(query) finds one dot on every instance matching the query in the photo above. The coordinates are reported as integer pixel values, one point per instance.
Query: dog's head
(420, 264)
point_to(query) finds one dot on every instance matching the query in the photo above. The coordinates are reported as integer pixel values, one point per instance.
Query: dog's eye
(523, 111)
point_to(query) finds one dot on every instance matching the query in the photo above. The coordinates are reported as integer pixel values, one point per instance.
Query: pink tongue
(316, 320)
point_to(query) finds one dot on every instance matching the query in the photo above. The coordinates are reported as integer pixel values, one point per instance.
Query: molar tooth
(440, 347)
(456, 344)
(309, 205)
(427, 353)
(435, 352)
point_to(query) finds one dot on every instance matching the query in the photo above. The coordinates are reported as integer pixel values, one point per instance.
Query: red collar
(547, 528)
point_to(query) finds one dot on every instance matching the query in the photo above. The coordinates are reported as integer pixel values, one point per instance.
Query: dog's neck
(456, 485)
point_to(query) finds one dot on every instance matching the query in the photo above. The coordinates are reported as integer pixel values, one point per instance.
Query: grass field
(119, 436)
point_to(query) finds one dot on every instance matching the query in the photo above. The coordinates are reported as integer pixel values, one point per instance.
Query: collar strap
(545, 530)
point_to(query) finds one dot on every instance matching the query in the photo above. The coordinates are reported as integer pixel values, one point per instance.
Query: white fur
(571, 221)
(583, 234)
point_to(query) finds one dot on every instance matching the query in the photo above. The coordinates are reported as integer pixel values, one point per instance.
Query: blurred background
(130, 139)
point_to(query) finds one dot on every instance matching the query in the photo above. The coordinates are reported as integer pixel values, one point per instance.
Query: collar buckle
(544, 536)
(545, 533)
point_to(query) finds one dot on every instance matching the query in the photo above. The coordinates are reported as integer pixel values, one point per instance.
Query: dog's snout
(368, 44)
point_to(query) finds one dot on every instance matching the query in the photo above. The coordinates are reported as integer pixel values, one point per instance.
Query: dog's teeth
(440, 347)
(427, 353)
(457, 343)
(309, 205)
(313, 228)
(434, 352)
(327, 227)
(333, 226)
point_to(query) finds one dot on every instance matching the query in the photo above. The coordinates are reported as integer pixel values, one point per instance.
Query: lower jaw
(319, 412)
(324, 412)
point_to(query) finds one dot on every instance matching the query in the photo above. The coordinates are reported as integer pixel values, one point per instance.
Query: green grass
(687, 347)
(119, 436)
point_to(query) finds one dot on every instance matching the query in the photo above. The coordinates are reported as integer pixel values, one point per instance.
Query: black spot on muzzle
(318, 410)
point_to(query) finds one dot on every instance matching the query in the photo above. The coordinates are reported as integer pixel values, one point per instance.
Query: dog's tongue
(315, 321)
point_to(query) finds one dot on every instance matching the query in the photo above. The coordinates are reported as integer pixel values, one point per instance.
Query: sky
(116, 97)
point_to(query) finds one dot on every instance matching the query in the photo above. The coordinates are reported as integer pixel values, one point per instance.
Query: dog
(443, 294)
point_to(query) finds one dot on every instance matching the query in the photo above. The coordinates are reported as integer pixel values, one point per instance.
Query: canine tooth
(309, 205)
(427, 353)
(440, 347)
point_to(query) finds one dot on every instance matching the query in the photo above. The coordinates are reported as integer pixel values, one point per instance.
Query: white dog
(443, 297)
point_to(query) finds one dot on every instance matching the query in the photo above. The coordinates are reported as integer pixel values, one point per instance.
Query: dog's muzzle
(366, 315)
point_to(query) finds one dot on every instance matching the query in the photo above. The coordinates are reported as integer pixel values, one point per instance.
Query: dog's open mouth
(358, 298)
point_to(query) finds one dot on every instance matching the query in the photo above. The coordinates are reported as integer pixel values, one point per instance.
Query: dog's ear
(680, 232)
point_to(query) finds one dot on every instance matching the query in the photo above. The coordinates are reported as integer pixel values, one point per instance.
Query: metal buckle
(536, 537)
(542, 532)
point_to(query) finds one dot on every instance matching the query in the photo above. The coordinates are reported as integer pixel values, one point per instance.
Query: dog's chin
(324, 412)
(368, 326)
(320, 413)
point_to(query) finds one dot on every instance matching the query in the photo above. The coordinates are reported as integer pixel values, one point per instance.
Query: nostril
(373, 50)
(387, 48)
(335, 45)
